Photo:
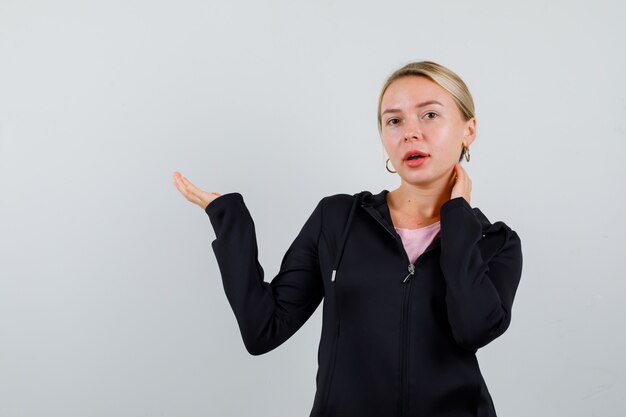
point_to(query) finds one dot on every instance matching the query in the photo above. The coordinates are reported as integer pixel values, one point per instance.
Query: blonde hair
(441, 76)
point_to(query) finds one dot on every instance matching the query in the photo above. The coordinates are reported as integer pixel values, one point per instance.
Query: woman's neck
(420, 202)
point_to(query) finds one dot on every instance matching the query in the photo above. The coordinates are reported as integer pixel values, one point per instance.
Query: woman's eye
(434, 114)
(392, 121)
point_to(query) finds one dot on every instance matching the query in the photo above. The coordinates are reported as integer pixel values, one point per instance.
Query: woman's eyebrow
(422, 104)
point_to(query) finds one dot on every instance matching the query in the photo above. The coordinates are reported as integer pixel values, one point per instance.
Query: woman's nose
(412, 131)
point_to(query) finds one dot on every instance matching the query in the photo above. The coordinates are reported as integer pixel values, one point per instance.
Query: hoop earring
(387, 166)
(466, 152)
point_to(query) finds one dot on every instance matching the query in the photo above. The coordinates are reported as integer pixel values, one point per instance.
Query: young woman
(414, 281)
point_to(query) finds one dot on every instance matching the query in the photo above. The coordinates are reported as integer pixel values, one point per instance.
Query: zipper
(404, 360)
(411, 272)
(404, 386)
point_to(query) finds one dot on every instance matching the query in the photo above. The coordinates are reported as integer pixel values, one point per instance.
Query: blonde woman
(414, 280)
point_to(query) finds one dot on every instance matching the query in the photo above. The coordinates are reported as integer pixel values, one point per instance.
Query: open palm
(193, 193)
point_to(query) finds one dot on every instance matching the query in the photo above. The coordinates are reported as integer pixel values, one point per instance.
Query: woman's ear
(469, 133)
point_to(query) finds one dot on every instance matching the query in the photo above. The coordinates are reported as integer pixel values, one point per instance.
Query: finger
(179, 185)
(188, 183)
(178, 176)
(465, 174)
(193, 190)
(190, 187)
(462, 173)
(186, 191)
(456, 173)
(183, 190)
(183, 180)
(185, 184)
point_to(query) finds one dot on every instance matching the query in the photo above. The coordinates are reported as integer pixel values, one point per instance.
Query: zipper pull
(411, 272)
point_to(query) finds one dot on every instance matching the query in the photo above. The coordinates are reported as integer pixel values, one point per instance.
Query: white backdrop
(111, 302)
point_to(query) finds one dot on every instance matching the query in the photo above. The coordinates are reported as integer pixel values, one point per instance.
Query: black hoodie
(398, 339)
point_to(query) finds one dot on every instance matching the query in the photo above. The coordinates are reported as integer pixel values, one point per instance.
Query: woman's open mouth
(415, 160)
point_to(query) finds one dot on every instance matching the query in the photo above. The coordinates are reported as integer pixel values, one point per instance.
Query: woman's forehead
(416, 91)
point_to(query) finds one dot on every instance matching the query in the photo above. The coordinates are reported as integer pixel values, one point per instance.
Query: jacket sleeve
(267, 313)
(479, 294)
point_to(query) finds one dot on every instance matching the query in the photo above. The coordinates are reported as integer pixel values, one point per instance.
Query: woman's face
(419, 115)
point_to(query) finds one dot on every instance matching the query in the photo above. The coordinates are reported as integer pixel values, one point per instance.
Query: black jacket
(398, 339)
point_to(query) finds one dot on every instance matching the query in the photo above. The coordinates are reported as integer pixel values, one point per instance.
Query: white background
(111, 302)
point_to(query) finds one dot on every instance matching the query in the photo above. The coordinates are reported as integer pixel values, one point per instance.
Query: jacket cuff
(455, 203)
(219, 208)
(460, 225)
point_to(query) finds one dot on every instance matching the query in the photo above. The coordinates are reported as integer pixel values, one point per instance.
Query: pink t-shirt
(416, 241)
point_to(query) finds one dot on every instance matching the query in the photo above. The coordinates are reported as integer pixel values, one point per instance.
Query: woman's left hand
(462, 185)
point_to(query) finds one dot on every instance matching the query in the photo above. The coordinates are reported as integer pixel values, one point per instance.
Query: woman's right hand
(193, 193)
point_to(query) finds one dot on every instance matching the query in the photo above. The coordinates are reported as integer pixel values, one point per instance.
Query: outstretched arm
(267, 313)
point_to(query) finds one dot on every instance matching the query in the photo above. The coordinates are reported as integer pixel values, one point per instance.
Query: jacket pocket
(330, 372)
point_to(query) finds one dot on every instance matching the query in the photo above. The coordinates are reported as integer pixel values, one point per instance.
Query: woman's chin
(424, 179)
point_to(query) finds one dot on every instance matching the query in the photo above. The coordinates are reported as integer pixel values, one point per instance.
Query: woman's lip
(414, 152)
(416, 161)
